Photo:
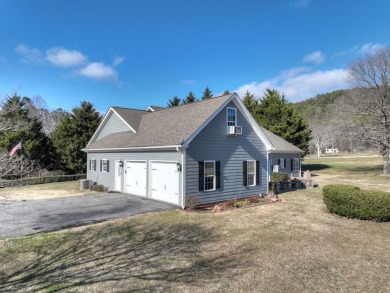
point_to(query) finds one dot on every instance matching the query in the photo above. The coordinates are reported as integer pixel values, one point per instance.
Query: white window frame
(295, 164)
(104, 165)
(227, 116)
(214, 176)
(282, 165)
(93, 164)
(248, 173)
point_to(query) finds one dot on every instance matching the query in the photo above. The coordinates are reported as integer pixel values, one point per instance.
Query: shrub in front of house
(353, 202)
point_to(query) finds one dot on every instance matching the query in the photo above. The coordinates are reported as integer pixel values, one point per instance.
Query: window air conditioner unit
(276, 168)
(235, 130)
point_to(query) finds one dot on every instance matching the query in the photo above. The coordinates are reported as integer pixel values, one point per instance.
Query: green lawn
(292, 246)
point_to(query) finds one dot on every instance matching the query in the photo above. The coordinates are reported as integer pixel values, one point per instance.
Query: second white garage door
(165, 182)
(136, 178)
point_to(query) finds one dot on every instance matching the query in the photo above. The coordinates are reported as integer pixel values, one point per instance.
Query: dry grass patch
(293, 246)
(40, 191)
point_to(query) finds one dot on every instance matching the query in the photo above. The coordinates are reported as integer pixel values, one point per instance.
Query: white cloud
(367, 48)
(301, 3)
(317, 57)
(65, 58)
(98, 70)
(300, 86)
(187, 81)
(118, 60)
(29, 55)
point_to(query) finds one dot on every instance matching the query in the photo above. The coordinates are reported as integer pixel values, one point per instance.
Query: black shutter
(201, 176)
(108, 166)
(218, 175)
(257, 173)
(292, 164)
(244, 173)
(101, 165)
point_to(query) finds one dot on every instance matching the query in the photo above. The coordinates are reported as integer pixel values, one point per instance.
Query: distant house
(213, 149)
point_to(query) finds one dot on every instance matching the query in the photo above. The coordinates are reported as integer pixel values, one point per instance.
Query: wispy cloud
(187, 81)
(297, 4)
(317, 57)
(118, 60)
(301, 85)
(61, 57)
(367, 48)
(99, 71)
(29, 55)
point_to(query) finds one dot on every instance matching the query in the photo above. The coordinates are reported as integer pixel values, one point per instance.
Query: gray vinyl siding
(212, 143)
(273, 160)
(108, 178)
(114, 124)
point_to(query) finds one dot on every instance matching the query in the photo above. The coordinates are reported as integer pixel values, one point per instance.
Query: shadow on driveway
(20, 218)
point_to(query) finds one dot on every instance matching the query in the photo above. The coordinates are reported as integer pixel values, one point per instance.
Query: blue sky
(141, 52)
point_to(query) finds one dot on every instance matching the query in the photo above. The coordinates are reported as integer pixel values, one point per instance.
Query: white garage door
(165, 182)
(136, 178)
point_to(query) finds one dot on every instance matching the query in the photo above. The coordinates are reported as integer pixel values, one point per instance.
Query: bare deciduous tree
(370, 99)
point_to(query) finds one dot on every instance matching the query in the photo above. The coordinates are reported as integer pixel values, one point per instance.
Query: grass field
(292, 246)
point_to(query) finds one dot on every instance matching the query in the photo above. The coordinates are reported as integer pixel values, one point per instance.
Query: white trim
(260, 133)
(107, 160)
(254, 173)
(90, 167)
(204, 176)
(134, 148)
(106, 117)
(149, 108)
(183, 177)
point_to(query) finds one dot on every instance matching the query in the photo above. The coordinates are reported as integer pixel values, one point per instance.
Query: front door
(118, 175)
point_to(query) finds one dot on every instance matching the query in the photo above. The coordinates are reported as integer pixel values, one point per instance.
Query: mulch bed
(229, 205)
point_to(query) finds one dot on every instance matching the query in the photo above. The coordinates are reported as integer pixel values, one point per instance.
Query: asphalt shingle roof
(161, 128)
(172, 126)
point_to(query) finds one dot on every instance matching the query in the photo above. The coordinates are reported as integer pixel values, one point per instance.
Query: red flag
(15, 148)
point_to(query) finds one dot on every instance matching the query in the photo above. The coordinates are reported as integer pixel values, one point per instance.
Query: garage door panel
(136, 178)
(165, 182)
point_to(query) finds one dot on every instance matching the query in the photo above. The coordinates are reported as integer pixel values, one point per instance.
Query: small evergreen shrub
(279, 177)
(352, 202)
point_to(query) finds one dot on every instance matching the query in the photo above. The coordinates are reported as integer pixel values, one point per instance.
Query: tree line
(49, 140)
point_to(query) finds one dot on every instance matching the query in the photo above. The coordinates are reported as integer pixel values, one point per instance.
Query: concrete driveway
(19, 218)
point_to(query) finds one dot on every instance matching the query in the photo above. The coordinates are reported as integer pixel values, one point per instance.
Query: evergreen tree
(277, 115)
(207, 94)
(72, 134)
(250, 102)
(36, 146)
(175, 101)
(189, 99)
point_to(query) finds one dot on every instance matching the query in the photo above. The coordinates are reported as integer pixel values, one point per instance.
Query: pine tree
(36, 146)
(189, 99)
(207, 94)
(72, 134)
(250, 102)
(175, 101)
(276, 114)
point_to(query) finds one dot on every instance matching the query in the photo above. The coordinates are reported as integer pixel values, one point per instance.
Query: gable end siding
(212, 143)
(114, 124)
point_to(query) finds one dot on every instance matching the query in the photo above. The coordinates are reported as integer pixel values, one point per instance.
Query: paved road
(19, 218)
